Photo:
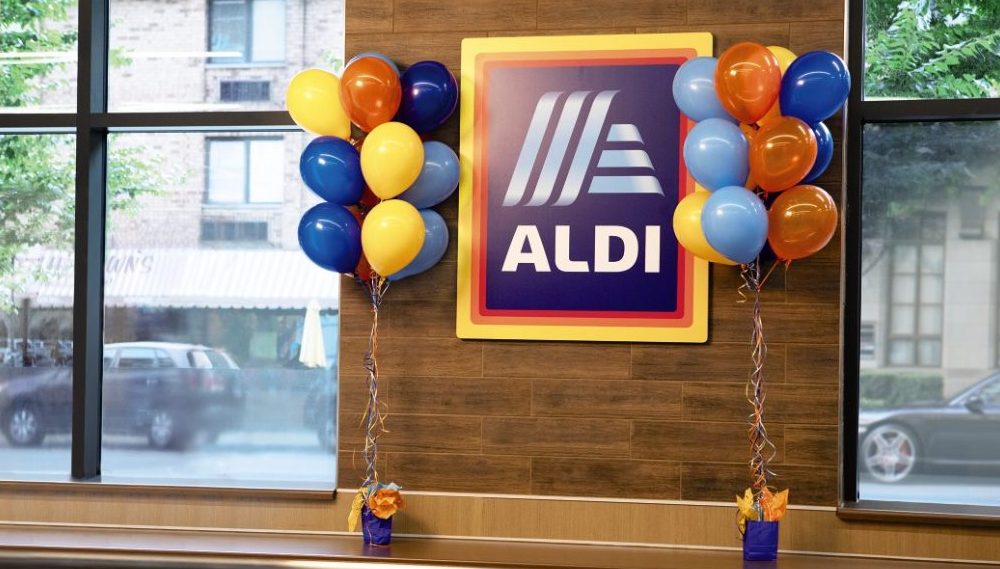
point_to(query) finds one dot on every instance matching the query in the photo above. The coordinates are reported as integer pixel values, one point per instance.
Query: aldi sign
(571, 170)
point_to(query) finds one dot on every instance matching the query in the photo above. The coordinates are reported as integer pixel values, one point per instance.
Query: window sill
(30, 545)
(118, 486)
(913, 513)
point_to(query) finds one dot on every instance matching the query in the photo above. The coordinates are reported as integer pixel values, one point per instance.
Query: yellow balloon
(391, 236)
(785, 58)
(687, 228)
(313, 99)
(391, 159)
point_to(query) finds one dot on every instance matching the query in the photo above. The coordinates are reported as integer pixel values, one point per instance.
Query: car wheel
(327, 435)
(23, 426)
(890, 452)
(166, 433)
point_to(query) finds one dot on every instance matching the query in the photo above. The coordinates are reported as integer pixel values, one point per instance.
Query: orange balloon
(801, 221)
(782, 154)
(747, 80)
(749, 131)
(370, 92)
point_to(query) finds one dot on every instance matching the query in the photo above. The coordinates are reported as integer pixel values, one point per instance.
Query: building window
(921, 263)
(916, 292)
(247, 31)
(220, 231)
(244, 91)
(245, 171)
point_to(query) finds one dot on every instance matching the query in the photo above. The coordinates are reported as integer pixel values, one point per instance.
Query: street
(259, 458)
(934, 488)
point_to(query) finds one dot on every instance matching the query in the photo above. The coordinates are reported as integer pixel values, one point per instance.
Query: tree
(926, 49)
(37, 171)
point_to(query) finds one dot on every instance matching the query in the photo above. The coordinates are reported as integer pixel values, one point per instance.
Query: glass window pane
(903, 319)
(235, 408)
(931, 50)
(267, 171)
(38, 45)
(218, 54)
(904, 288)
(227, 176)
(36, 304)
(268, 31)
(904, 258)
(931, 288)
(920, 181)
(901, 352)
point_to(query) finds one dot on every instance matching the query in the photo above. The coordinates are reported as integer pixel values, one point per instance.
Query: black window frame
(91, 124)
(247, 142)
(248, 51)
(859, 113)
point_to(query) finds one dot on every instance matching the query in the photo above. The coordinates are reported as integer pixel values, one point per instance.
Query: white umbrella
(313, 351)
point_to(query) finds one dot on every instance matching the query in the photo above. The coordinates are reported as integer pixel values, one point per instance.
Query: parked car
(959, 432)
(320, 412)
(172, 393)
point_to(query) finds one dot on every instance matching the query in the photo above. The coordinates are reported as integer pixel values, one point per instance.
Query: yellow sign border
(696, 332)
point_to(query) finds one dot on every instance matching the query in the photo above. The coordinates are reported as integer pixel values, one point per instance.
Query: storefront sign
(571, 170)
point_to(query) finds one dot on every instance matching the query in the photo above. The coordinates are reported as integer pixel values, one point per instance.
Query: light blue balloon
(694, 90)
(735, 223)
(434, 247)
(438, 178)
(716, 154)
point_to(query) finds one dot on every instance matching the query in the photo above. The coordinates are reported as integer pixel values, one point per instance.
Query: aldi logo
(571, 170)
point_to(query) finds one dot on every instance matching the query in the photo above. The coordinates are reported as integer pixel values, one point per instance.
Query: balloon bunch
(377, 187)
(759, 113)
(375, 222)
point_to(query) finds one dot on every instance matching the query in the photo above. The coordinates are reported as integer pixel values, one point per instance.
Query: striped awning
(187, 278)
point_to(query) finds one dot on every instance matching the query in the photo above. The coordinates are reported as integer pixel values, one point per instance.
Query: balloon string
(374, 419)
(762, 450)
(771, 270)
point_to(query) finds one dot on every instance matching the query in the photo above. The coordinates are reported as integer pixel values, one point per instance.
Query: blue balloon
(815, 86)
(438, 178)
(331, 237)
(331, 167)
(716, 154)
(430, 95)
(735, 223)
(376, 55)
(434, 247)
(694, 90)
(824, 152)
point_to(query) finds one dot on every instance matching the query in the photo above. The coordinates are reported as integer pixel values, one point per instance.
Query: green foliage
(882, 389)
(932, 48)
(37, 172)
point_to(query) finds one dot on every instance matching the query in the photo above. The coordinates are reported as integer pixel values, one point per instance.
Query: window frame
(91, 124)
(246, 202)
(859, 113)
(248, 37)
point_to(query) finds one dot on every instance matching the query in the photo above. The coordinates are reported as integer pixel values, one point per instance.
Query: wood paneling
(811, 445)
(726, 362)
(429, 433)
(812, 485)
(476, 16)
(462, 472)
(696, 441)
(616, 479)
(711, 12)
(470, 396)
(578, 398)
(556, 360)
(609, 13)
(802, 403)
(728, 34)
(606, 438)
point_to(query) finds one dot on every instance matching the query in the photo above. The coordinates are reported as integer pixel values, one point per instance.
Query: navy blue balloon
(824, 152)
(438, 178)
(694, 90)
(331, 237)
(331, 167)
(815, 86)
(735, 223)
(716, 154)
(430, 95)
(434, 247)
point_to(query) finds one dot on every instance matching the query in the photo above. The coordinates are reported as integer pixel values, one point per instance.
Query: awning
(187, 278)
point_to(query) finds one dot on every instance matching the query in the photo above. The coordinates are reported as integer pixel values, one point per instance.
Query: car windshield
(209, 359)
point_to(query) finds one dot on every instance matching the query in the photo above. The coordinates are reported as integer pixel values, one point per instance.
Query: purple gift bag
(760, 542)
(376, 531)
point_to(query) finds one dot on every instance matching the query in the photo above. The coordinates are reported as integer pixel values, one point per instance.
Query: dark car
(962, 431)
(320, 412)
(172, 393)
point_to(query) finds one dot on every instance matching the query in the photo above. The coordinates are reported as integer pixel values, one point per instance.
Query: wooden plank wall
(589, 419)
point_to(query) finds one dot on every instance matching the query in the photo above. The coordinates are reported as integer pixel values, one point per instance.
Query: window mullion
(91, 177)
